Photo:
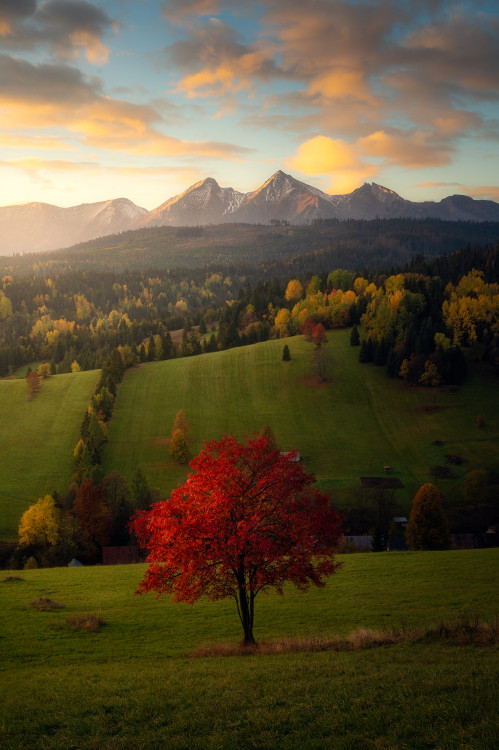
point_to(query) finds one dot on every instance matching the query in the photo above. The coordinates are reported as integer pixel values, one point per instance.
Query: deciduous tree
(179, 450)
(246, 520)
(427, 527)
(39, 525)
(180, 423)
(34, 384)
(294, 290)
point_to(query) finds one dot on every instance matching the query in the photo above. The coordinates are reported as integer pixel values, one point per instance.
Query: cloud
(45, 143)
(214, 60)
(353, 69)
(46, 96)
(181, 10)
(335, 158)
(34, 166)
(459, 49)
(64, 26)
(349, 164)
(413, 150)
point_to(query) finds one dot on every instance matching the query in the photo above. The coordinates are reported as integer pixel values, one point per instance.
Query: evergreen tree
(151, 349)
(354, 336)
(141, 492)
(364, 351)
(286, 353)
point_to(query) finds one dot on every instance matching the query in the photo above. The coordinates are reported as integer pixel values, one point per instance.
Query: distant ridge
(39, 226)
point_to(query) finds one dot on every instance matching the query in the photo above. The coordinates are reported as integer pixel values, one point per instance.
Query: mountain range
(34, 227)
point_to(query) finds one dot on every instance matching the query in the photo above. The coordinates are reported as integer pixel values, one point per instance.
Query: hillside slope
(37, 439)
(349, 428)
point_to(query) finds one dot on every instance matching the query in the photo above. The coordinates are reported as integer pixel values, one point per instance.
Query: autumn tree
(307, 328)
(427, 527)
(281, 322)
(179, 450)
(39, 525)
(180, 423)
(246, 520)
(294, 291)
(319, 335)
(34, 384)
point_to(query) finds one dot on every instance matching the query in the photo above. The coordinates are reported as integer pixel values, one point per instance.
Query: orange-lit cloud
(335, 158)
(182, 10)
(34, 142)
(95, 52)
(214, 60)
(412, 150)
(47, 96)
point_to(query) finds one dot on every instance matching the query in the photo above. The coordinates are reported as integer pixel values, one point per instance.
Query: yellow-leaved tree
(39, 525)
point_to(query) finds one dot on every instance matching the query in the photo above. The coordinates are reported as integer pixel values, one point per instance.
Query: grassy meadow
(351, 427)
(37, 439)
(135, 683)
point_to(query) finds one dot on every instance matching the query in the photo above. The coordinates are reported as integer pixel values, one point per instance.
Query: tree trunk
(245, 608)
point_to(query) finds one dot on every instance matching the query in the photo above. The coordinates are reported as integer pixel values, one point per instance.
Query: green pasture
(134, 684)
(351, 427)
(37, 439)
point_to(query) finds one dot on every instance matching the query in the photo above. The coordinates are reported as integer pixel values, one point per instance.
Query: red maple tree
(319, 335)
(246, 519)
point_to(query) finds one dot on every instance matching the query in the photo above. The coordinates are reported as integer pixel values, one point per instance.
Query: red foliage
(307, 328)
(319, 335)
(247, 519)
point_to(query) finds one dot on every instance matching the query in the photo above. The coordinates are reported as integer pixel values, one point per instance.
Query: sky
(143, 98)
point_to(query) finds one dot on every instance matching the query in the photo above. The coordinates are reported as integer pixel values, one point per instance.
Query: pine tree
(354, 337)
(286, 356)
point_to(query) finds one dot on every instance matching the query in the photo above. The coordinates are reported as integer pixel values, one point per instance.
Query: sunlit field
(348, 428)
(37, 439)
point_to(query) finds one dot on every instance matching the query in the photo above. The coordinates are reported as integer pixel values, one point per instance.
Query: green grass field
(349, 428)
(133, 684)
(37, 439)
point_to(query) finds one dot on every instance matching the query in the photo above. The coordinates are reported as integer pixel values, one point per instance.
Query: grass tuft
(88, 623)
(43, 604)
(12, 579)
(467, 630)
